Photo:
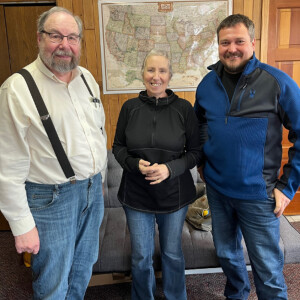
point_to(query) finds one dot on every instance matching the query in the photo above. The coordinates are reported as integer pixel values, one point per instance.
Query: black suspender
(48, 124)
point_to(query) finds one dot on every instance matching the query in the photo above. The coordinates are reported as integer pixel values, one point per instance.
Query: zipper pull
(226, 119)
(244, 85)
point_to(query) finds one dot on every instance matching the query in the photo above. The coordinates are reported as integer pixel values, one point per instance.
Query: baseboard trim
(113, 278)
(207, 271)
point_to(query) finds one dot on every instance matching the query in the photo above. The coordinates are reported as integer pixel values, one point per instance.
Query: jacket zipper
(241, 97)
(154, 121)
(228, 108)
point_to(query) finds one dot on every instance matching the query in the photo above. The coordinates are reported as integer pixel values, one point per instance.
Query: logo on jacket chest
(252, 93)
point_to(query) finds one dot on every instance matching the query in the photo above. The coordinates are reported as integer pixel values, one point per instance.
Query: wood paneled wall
(88, 11)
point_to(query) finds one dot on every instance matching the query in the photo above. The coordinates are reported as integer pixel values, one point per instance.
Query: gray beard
(59, 65)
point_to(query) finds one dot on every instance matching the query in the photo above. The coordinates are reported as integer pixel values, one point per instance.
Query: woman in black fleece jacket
(156, 143)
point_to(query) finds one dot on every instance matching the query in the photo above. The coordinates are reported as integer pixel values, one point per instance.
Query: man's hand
(28, 242)
(282, 202)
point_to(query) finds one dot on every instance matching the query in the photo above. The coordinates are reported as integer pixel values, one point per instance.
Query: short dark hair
(235, 19)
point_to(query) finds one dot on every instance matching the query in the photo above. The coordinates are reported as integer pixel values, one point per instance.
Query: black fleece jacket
(163, 130)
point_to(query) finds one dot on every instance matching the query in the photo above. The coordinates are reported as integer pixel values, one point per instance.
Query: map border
(104, 67)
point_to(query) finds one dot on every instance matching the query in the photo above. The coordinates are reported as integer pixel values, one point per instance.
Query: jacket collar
(160, 101)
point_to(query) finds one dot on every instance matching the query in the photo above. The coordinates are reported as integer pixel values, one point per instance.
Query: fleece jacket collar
(160, 101)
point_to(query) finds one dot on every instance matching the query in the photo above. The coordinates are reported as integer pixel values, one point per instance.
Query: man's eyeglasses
(73, 39)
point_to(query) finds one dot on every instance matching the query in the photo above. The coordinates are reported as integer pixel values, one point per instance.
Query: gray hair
(155, 52)
(235, 19)
(45, 15)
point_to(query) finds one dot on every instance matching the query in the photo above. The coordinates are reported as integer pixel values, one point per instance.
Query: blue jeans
(142, 231)
(255, 220)
(68, 217)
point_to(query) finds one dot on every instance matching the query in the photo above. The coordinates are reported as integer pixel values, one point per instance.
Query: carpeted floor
(15, 280)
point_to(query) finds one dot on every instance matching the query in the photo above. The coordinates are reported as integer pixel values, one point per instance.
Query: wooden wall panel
(284, 28)
(190, 96)
(295, 23)
(238, 6)
(78, 8)
(4, 54)
(257, 18)
(283, 53)
(88, 10)
(68, 4)
(83, 58)
(296, 72)
(21, 34)
(108, 127)
(91, 55)
(97, 40)
(248, 8)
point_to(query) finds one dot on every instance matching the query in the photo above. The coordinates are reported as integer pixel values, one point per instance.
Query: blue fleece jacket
(242, 148)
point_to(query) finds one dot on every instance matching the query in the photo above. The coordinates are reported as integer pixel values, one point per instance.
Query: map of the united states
(187, 32)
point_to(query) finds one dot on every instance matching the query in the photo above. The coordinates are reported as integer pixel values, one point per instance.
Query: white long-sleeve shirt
(26, 153)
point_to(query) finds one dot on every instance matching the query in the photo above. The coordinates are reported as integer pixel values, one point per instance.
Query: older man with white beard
(55, 218)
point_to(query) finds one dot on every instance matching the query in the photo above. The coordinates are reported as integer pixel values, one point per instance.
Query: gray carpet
(15, 280)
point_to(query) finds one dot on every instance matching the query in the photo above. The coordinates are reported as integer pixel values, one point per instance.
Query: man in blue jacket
(241, 106)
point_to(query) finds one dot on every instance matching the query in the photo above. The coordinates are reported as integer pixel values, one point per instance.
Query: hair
(45, 15)
(235, 19)
(155, 52)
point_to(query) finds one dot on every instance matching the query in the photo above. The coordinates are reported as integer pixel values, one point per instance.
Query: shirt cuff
(22, 226)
